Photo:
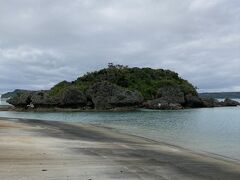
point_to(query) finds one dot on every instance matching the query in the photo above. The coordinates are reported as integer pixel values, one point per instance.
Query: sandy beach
(42, 150)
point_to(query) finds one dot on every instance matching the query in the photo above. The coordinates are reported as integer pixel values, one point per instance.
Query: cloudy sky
(46, 41)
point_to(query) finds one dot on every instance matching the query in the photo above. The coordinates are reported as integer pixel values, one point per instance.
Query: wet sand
(47, 150)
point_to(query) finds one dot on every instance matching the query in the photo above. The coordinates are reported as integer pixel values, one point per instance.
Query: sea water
(211, 130)
(3, 102)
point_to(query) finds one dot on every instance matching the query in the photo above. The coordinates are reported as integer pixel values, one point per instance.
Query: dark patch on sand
(183, 164)
(135, 156)
(69, 131)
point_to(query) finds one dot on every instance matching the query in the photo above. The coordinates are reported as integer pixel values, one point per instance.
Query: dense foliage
(145, 80)
(11, 94)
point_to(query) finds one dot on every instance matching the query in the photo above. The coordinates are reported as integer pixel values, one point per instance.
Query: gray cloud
(43, 42)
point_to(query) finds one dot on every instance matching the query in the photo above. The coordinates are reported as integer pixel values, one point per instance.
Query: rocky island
(117, 87)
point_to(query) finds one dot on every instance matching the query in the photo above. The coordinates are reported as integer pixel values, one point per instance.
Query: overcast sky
(45, 41)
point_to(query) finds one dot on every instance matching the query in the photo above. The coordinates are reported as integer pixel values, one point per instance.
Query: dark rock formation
(171, 94)
(37, 98)
(168, 97)
(70, 97)
(105, 95)
(211, 102)
(162, 105)
(229, 102)
(101, 96)
(21, 99)
(42, 99)
(192, 101)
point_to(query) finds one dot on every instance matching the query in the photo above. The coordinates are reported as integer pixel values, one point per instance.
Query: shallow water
(3, 102)
(214, 130)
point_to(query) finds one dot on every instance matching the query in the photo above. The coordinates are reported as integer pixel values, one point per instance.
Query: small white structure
(31, 105)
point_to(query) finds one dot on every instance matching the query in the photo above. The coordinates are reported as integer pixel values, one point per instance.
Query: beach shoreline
(37, 149)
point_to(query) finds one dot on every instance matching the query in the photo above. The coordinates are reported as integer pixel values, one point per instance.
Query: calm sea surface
(214, 130)
(3, 102)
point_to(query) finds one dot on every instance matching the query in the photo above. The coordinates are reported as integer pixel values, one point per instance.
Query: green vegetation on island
(14, 93)
(147, 81)
(118, 87)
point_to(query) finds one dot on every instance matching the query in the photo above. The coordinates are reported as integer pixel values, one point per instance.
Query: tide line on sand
(35, 149)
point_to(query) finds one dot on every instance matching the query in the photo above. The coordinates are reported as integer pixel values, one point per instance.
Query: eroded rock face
(42, 99)
(162, 105)
(72, 97)
(171, 94)
(167, 98)
(211, 102)
(192, 101)
(105, 95)
(230, 102)
(102, 96)
(21, 99)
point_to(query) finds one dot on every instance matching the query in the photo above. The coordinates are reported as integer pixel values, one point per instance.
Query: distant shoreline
(220, 95)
